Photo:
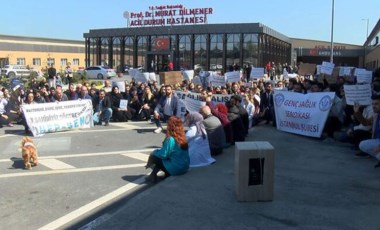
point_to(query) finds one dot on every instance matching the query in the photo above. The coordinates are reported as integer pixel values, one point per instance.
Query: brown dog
(29, 152)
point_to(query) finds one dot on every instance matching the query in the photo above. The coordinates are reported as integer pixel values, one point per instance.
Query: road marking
(75, 170)
(89, 130)
(138, 156)
(55, 164)
(87, 154)
(94, 204)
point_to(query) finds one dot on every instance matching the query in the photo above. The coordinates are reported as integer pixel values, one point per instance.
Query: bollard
(254, 171)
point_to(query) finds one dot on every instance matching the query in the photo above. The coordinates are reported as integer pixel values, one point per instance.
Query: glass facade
(212, 47)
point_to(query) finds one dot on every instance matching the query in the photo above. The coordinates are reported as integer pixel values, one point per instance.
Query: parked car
(99, 72)
(13, 71)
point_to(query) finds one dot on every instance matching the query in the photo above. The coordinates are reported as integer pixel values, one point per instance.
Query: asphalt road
(80, 172)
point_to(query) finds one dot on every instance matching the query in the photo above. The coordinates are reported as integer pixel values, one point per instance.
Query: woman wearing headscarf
(120, 112)
(173, 157)
(199, 149)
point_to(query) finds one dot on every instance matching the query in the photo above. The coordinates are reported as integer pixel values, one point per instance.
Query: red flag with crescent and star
(161, 43)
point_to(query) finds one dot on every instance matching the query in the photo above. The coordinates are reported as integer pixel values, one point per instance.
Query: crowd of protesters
(251, 103)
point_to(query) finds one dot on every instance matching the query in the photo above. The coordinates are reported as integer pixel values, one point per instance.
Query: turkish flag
(313, 52)
(161, 44)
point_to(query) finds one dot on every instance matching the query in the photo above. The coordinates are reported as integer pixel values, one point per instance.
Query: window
(37, 61)
(51, 61)
(20, 61)
(76, 61)
(128, 52)
(200, 49)
(216, 52)
(185, 52)
(233, 49)
(63, 61)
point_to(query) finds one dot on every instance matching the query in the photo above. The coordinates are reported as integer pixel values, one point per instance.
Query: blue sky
(307, 19)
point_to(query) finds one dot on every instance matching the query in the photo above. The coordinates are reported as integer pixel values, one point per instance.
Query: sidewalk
(317, 186)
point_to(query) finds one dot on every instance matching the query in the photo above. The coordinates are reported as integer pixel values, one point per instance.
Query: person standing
(68, 73)
(52, 75)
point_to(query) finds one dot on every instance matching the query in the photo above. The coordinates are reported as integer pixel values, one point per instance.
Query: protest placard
(257, 72)
(217, 80)
(57, 116)
(193, 105)
(327, 68)
(119, 84)
(303, 114)
(188, 74)
(123, 104)
(232, 76)
(360, 94)
(133, 72)
(197, 80)
(306, 69)
(152, 76)
(363, 76)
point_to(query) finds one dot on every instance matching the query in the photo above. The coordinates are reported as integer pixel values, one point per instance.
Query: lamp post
(365, 43)
(332, 35)
(366, 19)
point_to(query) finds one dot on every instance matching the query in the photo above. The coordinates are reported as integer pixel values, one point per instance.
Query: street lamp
(366, 19)
(365, 43)
(332, 35)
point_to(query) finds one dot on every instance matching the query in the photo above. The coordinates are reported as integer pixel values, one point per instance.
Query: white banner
(303, 114)
(257, 73)
(57, 116)
(232, 76)
(327, 68)
(360, 94)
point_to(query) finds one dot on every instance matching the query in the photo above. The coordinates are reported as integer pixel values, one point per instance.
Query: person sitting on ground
(360, 132)
(134, 105)
(173, 157)
(84, 93)
(107, 86)
(199, 149)
(250, 108)
(71, 92)
(220, 111)
(149, 103)
(236, 100)
(38, 97)
(335, 118)
(29, 100)
(267, 112)
(214, 129)
(165, 108)
(102, 107)
(120, 112)
(59, 95)
(4, 118)
(236, 122)
(371, 146)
